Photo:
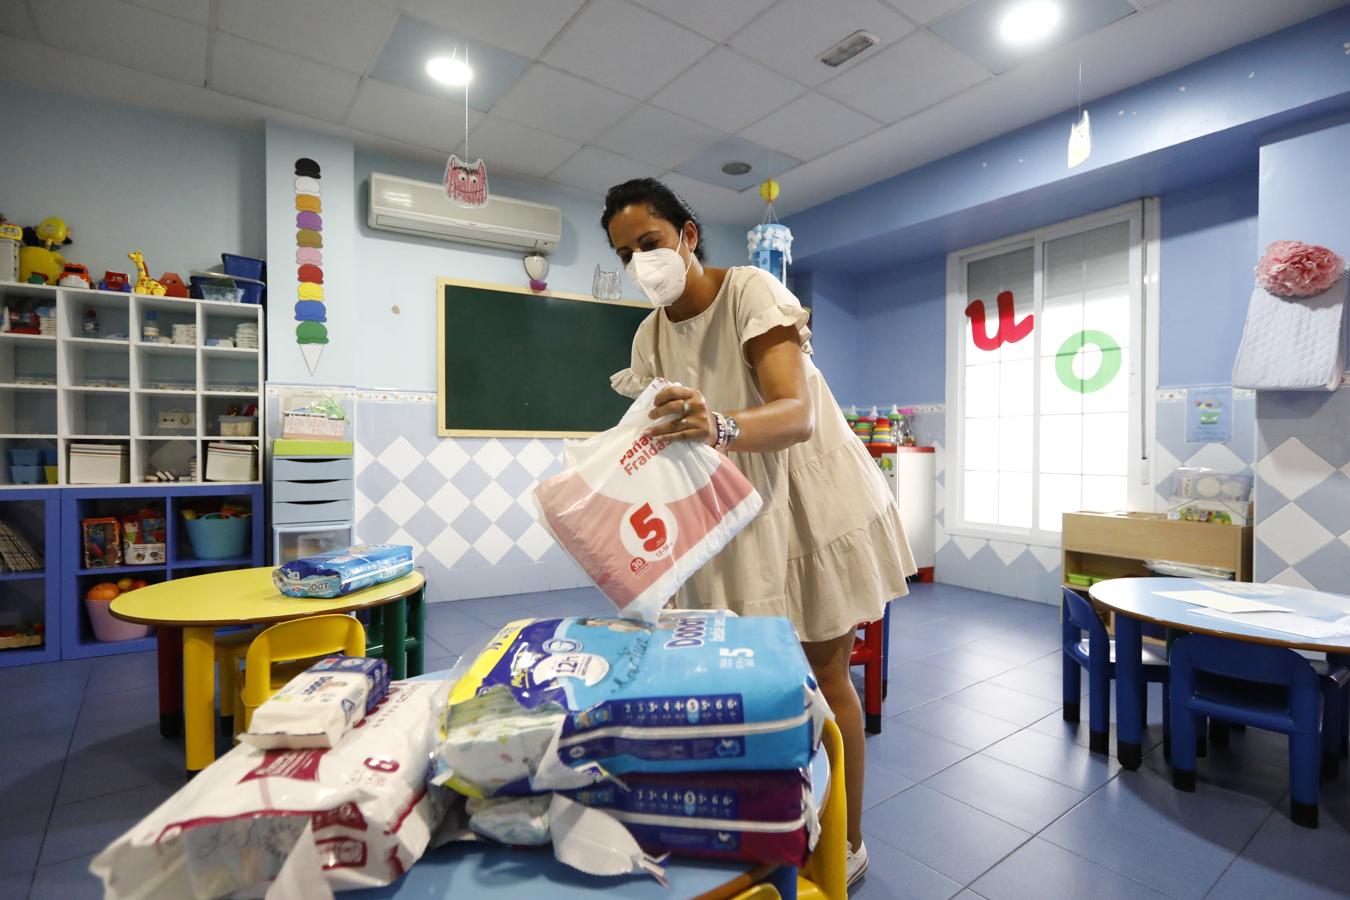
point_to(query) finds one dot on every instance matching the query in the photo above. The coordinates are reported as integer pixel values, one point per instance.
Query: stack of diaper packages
(620, 741)
(289, 816)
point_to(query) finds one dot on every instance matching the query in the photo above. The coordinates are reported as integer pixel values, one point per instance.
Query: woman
(828, 550)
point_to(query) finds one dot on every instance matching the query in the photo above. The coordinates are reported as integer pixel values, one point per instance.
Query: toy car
(115, 281)
(74, 275)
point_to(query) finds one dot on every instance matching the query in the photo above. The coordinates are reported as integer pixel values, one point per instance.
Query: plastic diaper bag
(340, 572)
(557, 704)
(639, 514)
(360, 814)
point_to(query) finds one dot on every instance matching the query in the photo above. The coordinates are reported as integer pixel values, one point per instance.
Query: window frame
(1143, 217)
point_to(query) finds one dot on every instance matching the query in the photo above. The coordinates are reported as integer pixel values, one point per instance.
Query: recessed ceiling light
(848, 48)
(449, 71)
(1029, 21)
(735, 167)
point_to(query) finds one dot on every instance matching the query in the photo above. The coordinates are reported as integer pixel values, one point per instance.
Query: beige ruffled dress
(828, 550)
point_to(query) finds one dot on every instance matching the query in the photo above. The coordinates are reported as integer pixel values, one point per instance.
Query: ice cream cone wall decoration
(311, 332)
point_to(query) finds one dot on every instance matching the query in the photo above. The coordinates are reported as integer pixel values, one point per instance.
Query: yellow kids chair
(289, 642)
(824, 877)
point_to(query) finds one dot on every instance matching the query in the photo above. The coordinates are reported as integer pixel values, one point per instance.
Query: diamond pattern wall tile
(1268, 500)
(493, 457)
(448, 458)
(401, 504)
(448, 548)
(1292, 578)
(536, 458)
(1294, 535)
(425, 526)
(1293, 469)
(514, 479)
(471, 523)
(514, 522)
(1266, 563)
(535, 542)
(424, 480)
(493, 544)
(1329, 504)
(375, 480)
(492, 501)
(471, 480)
(402, 537)
(1216, 456)
(400, 457)
(448, 503)
(1328, 569)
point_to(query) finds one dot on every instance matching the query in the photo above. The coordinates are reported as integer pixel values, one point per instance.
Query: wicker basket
(301, 426)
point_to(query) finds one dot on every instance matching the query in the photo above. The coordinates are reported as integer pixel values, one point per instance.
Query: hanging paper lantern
(770, 248)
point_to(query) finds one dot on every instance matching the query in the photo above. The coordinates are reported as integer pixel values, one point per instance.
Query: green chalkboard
(514, 363)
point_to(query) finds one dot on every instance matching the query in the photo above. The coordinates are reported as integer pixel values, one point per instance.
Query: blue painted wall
(1208, 251)
(902, 328)
(835, 329)
(125, 178)
(1305, 188)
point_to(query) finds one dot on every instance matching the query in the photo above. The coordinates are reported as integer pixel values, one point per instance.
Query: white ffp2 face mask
(660, 273)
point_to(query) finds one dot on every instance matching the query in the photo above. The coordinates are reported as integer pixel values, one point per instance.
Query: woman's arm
(786, 417)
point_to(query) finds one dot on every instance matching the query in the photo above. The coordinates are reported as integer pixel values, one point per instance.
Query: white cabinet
(912, 474)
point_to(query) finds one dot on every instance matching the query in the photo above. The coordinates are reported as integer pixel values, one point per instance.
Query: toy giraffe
(144, 283)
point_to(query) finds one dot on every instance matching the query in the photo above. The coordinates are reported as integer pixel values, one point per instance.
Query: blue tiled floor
(976, 787)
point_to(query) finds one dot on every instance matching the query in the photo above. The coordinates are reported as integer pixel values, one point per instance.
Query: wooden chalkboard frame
(441, 284)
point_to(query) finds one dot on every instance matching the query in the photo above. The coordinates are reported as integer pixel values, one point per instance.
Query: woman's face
(635, 229)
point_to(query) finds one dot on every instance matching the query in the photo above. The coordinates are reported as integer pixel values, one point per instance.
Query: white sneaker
(855, 863)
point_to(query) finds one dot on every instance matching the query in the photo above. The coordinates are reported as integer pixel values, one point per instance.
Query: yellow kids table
(201, 604)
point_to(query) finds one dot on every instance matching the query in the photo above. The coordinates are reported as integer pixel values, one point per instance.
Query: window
(1049, 366)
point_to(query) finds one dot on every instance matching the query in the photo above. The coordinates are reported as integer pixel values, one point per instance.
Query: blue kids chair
(1262, 687)
(1097, 654)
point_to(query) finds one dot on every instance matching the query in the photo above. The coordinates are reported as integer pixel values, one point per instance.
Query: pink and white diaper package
(640, 514)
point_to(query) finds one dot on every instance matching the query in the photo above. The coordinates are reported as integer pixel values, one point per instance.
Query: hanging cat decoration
(466, 184)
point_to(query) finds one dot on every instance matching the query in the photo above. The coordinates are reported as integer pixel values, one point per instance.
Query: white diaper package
(230, 831)
(639, 514)
(318, 706)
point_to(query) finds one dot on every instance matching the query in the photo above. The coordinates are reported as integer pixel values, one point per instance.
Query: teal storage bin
(217, 537)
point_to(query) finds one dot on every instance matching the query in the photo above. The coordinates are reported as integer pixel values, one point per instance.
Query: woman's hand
(693, 420)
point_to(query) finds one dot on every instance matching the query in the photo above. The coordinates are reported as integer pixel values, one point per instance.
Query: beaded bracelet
(727, 431)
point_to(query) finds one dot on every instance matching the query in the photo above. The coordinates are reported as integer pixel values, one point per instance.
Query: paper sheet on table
(1223, 602)
(1288, 623)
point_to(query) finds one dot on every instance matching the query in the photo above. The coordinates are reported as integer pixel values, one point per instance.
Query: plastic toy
(115, 281)
(144, 283)
(74, 275)
(102, 543)
(11, 239)
(173, 285)
(38, 258)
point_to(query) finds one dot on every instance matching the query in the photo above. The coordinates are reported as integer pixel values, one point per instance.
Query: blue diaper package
(553, 704)
(339, 572)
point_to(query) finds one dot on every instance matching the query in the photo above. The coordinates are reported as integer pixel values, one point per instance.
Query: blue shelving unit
(77, 639)
(36, 513)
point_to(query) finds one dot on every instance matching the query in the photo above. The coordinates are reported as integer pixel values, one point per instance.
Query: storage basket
(108, 627)
(214, 536)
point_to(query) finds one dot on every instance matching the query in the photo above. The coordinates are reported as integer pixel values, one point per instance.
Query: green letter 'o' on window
(1068, 352)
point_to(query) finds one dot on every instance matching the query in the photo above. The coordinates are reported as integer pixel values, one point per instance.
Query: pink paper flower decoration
(1296, 269)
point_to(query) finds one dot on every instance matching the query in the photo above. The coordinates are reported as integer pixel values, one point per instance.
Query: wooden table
(1139, 600)
(199, 605)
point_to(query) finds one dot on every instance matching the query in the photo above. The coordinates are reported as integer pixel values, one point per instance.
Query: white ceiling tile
(513, 149)
(403, 115)
(791, 36)
(561, 104)
(342, 33)
(925, 11)
(523, 27)
(714, 202)
(198, 11)
(717, 19)
(810, 126)
(661, 138)
(727, 91)
(14, 20)
(917, 72)
(625, 47)
(596, 170)
(105, 29)
(277, 78)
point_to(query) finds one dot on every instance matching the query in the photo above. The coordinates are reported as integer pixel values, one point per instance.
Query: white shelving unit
(115, 387)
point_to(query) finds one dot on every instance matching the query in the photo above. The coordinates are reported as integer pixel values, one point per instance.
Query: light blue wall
(1208, 251)
(1305, 188)
(398, 350)
(834, 329)
(123, 178)
(902, 327)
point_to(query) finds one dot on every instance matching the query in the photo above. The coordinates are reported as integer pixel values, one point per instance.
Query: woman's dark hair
(661, 200)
